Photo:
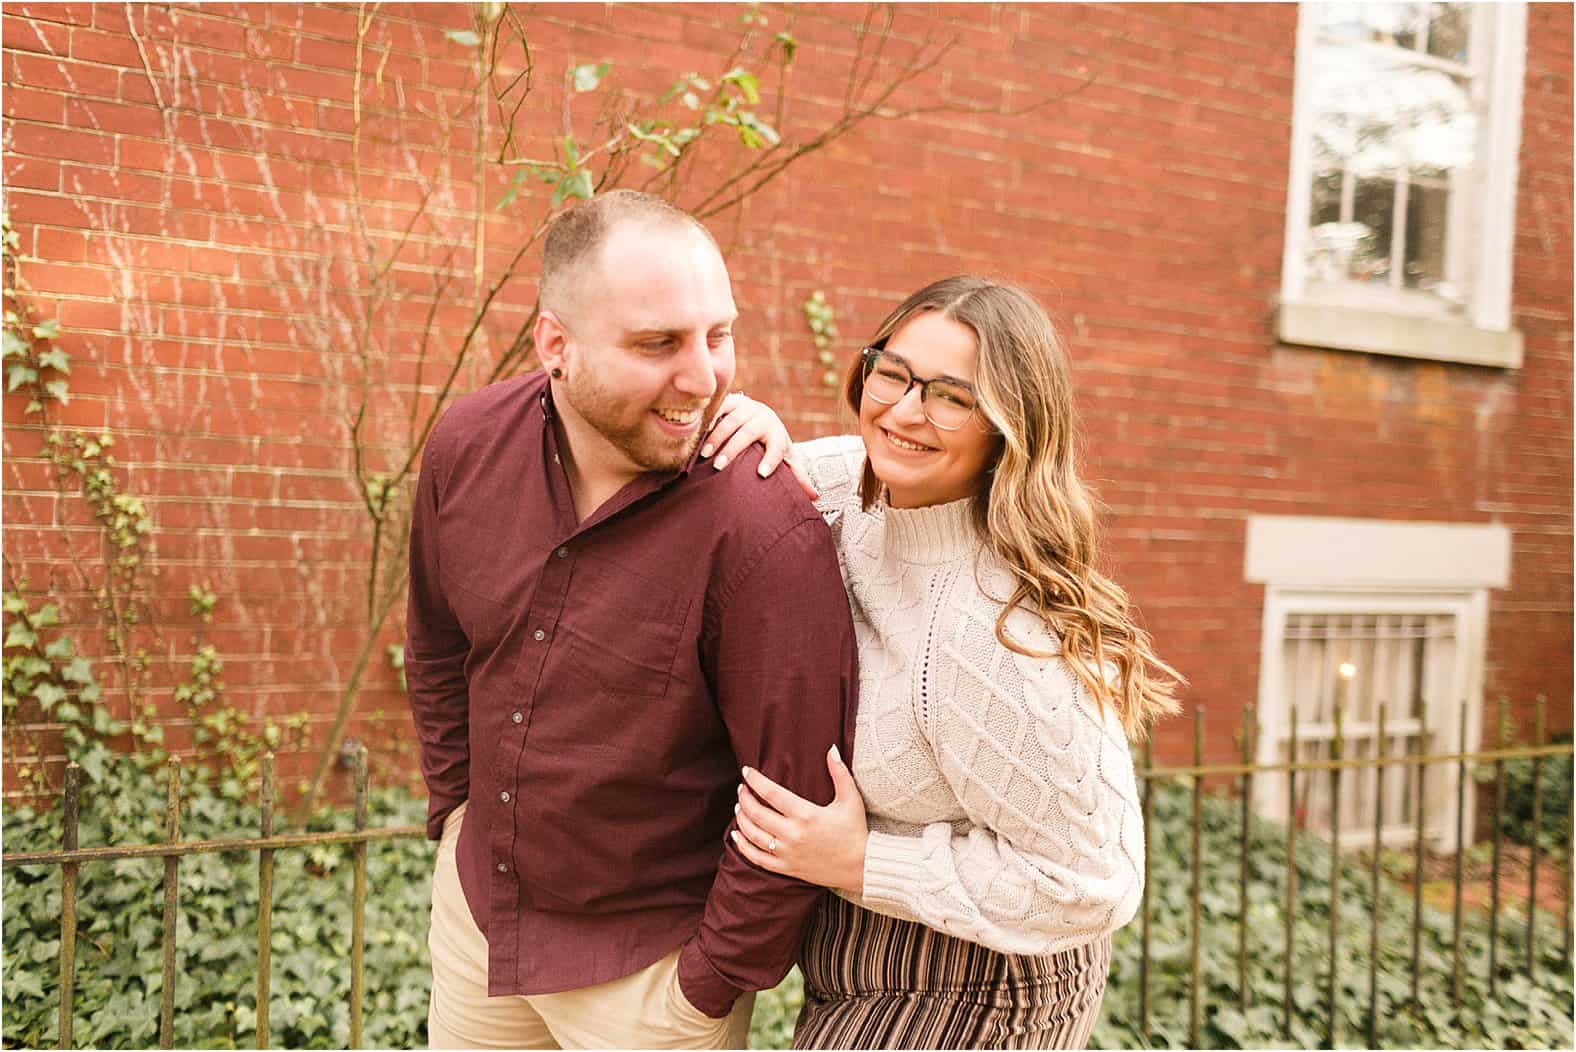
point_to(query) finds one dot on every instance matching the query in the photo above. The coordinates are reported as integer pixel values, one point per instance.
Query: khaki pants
(643, 1010)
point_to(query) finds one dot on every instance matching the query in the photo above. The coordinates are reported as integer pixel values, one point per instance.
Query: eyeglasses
(946, 403)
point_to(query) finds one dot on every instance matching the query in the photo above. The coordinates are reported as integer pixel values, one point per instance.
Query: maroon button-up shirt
(593, 689)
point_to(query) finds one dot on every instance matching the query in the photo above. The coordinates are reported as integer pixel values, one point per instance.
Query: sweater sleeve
(1050, 855)
(836, 464)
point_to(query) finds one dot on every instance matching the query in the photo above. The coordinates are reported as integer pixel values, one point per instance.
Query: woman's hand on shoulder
(781, 831)
(742, 421)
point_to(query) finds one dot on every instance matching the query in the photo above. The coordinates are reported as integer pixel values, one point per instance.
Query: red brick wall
(187, 205)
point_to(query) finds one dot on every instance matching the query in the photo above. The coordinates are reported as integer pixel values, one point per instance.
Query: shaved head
(575, 239)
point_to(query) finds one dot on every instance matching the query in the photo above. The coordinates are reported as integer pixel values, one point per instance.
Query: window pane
(1425, 239)
(1326, 198)
(1447, 31)
(1373, 208)
(1397, 658)
(1380, 117)
(1395, 25)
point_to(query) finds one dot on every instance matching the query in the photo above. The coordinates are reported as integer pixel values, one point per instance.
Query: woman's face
(921, 464)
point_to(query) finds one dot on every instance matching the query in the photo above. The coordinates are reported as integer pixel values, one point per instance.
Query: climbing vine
(822, 319)
(52, 664)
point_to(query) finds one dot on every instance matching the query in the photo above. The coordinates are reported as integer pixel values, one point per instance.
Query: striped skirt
(872, 981)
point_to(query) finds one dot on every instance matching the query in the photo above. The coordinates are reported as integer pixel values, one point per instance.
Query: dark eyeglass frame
(868, 358)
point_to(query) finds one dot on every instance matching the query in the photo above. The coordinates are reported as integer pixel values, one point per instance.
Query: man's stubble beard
(637, 438)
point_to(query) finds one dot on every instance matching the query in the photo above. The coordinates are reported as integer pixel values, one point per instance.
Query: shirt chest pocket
(623, 632)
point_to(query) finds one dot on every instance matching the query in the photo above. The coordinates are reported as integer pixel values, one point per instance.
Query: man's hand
(742, 421)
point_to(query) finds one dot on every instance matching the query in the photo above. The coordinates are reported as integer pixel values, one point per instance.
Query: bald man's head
(572, 250)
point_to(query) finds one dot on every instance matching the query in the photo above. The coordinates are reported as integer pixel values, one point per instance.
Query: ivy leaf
(59, 649)
(49, 695)
(19, 982)
(15, 346)
(106, 725)
(93, 761)
(47, 616)
(465, 37)
(79, 671)
(20, 634)
(55, 359)
(56, 389)
(790, 45)
(47, 330)
(19, 373)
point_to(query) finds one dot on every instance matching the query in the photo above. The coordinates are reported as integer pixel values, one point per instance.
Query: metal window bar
(70, 857)
(1403, 660)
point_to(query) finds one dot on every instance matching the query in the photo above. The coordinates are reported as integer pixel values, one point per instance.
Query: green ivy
(119, 938)
(47, 680)
(118, 970)
(1525, 1013)
(822, 319)
(32, 360)
(1553, 785)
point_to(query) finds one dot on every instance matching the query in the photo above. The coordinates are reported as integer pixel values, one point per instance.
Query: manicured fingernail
(720, 463)
(761, 471)
(837, 755)
(705, 451)
(734, 833)
(735, 808)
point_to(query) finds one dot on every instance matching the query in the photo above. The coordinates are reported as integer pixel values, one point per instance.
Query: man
(600, 634)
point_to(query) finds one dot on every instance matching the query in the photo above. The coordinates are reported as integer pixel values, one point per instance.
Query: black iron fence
(1335, 768)
(70, 858)
(1297, 774)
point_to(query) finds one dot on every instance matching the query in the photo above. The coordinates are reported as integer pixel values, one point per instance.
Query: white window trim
(1334, 565)
(1416, 328)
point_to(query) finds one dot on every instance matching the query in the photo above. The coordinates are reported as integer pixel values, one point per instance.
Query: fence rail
(70, 858)
(1335, 767)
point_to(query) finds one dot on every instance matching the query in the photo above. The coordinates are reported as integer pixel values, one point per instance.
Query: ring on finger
(772, 847)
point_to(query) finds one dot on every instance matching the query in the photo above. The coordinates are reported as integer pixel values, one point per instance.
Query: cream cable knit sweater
(1002, 803)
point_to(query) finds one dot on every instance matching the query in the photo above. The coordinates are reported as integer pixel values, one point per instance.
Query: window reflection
(1395, 136)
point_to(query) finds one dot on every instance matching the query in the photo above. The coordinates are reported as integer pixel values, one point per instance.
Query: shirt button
(562, 552)
(517, 716)
(504, 796)
(538, 635)
(503, 867)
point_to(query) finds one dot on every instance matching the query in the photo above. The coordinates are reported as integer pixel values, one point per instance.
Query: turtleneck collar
(937, 533)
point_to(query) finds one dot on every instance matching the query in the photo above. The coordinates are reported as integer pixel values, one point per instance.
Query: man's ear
(552, 340)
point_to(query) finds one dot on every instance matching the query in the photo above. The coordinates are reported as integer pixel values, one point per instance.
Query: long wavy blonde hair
(1035, 513)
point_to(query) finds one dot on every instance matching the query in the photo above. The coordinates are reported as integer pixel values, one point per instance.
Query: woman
(988, 840)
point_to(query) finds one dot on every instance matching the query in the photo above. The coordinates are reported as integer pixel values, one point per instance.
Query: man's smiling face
(650, 351)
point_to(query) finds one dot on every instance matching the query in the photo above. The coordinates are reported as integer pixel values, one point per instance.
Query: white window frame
(1361, 566)
(1406, 322)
